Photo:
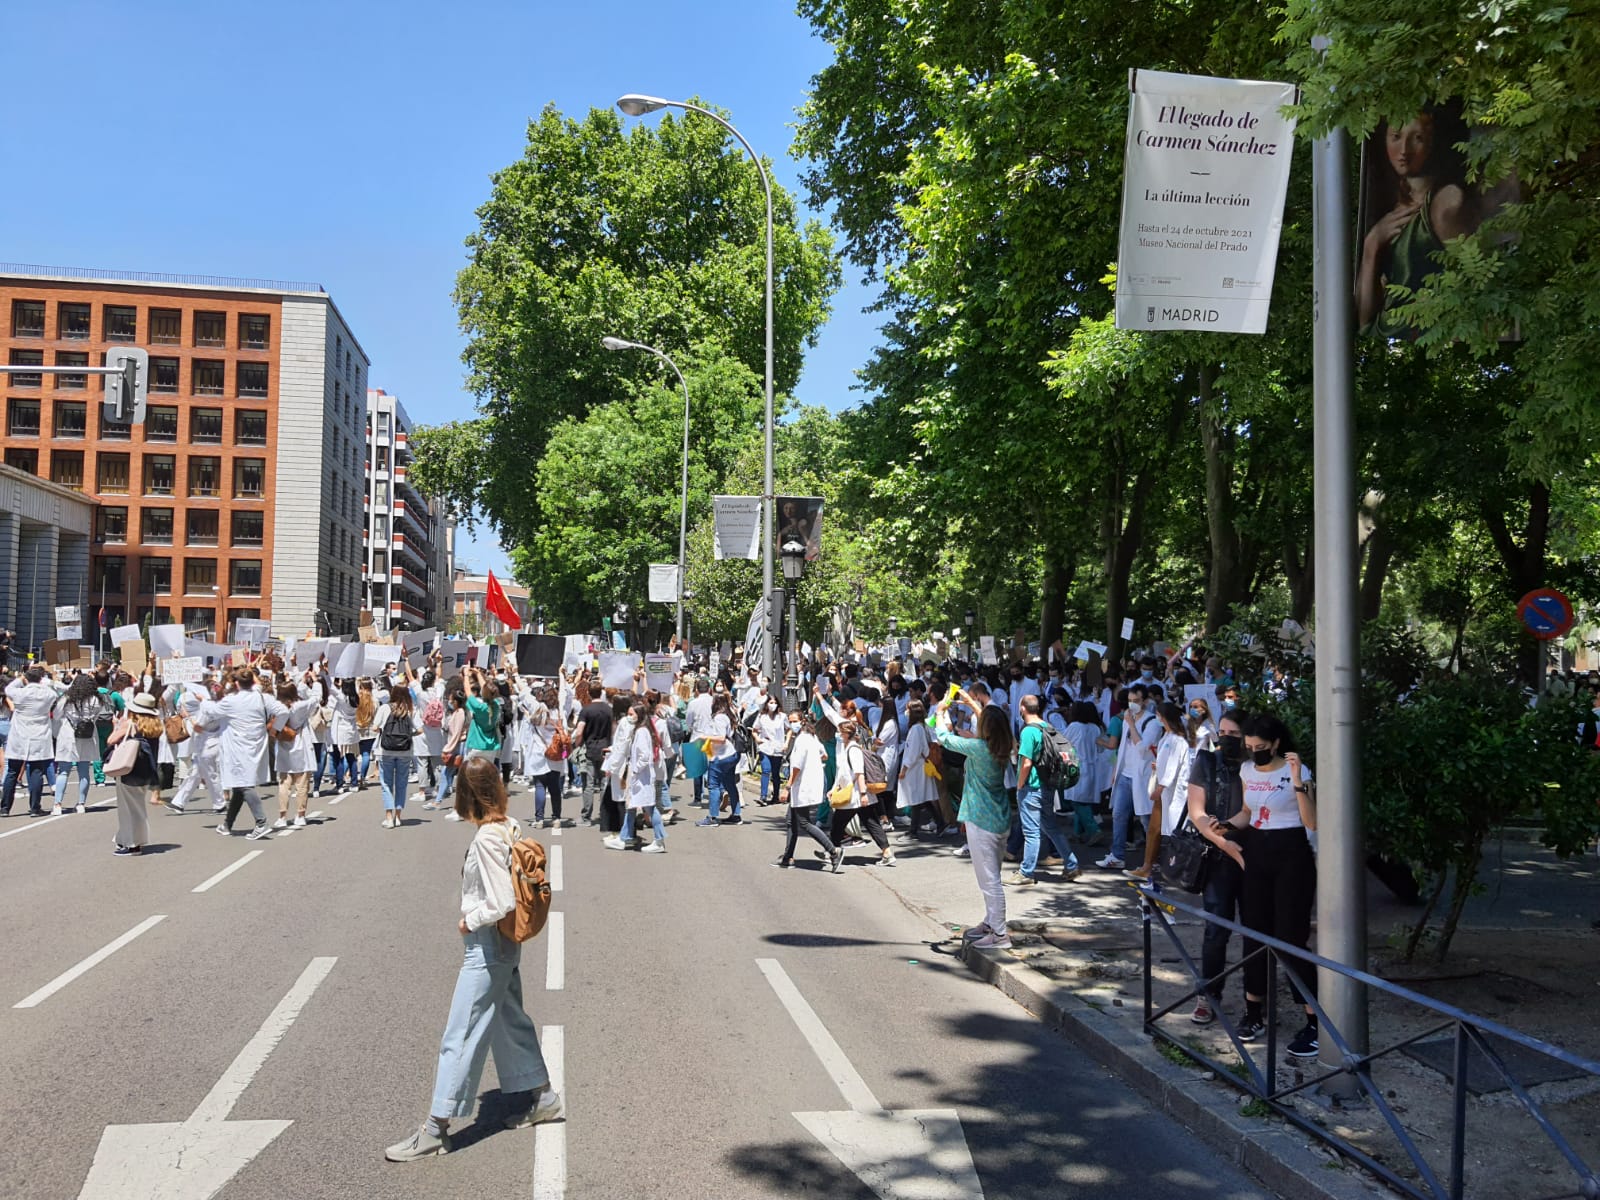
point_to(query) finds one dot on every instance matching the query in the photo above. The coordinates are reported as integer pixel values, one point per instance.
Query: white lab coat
(69, 747)
(642, 768)
(243, 717)
(31, 738)
(916, 785)
(299, 755)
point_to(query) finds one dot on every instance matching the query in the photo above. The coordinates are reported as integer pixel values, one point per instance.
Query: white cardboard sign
(122, 634)
(183, 670)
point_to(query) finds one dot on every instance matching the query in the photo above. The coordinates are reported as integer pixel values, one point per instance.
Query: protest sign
(183, 670)
(617, 668)
(134, 658)
(69, 633)
(68, 614)
(121, 634)
(658, 672)
(539, 654)
(453, 654)
(308, 652)
(1127, 628)
(57, 653)
(986, 650)
(375, 658)
(1202, 691)
(166, 640)
(345, 658)
(251, 632)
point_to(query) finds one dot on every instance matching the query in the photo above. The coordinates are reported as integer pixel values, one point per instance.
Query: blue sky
(349, 142)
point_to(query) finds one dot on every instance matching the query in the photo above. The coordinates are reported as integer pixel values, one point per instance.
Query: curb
(1279, 1156)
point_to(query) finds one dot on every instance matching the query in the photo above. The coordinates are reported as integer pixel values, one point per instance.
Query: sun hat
(144, 704)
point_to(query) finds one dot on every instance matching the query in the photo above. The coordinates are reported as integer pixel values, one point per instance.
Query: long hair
(995, 730)
(1172, 717)
(366, 706)
(81, 690)
(400, 702)
(480, 792)
(641, 713)
(147, 726)
(1269, 729)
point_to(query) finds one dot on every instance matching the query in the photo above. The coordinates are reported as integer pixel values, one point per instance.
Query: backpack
(433, 713)
(532, 890)
(397, 734)
(1058, 762)
(874, 770)
(559, 747)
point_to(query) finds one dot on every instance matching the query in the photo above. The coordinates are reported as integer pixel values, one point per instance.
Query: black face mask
(1262, 757)
(1232, 746)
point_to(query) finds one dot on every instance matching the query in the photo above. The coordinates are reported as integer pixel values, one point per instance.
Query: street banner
(658, 672)
(249, 631)
(67, 614)
(663, 583)
(1082, 652)
(539, 654)
(617, 668)
(166, 641)
(800, 521)
(755, 640)
(121, 634)
(1205, 174)
(69, 633)
(736, 527)
(183, 670)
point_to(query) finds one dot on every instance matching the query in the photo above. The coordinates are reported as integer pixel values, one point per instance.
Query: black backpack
(1058, 762)
(397, 733)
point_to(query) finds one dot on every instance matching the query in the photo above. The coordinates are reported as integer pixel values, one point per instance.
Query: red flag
(495, 601)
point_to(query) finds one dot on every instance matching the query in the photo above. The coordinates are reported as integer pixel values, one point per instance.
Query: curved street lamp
(616, 343)
(636, 105)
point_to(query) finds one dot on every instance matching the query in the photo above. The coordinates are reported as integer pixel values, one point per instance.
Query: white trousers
(986, 849)
(202, 769)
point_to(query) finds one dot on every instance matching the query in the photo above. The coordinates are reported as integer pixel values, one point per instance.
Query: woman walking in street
(803, 793)
(343, 738)
(487, 1010)
(77, 742)
(862, 803)
(642, 761)
(366, 732)
(771, 732)
(135, 788)
(397, 724)
(293, 744)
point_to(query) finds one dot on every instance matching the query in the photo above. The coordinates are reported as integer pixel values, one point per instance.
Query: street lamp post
(972, 619)
(635, 105)
(794, 567)
(615, 343)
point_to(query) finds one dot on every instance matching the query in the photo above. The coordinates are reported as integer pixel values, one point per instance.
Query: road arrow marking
(195, 1159)
(912, 1154)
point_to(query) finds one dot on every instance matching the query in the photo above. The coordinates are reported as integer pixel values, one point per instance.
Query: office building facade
(409, 539)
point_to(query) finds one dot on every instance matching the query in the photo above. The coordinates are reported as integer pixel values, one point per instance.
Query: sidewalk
(1526, 955)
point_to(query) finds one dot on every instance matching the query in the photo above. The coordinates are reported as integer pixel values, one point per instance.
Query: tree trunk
(1053, 603)
(1466, 876)
(1524, 564)
(1380, 553)
(1300, 572)
(1223, 583)
(1122, 547)
(1414, 938)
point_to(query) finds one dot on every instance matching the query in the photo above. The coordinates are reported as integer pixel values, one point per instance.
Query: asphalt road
(684, 1066)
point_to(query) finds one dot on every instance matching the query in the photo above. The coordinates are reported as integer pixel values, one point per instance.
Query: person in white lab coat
(205, 752)
(297, 753)
(30, 745)
(643, 758)
(244, 715)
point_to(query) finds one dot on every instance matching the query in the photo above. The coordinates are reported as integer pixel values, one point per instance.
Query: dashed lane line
(99, 956)
(226, 871)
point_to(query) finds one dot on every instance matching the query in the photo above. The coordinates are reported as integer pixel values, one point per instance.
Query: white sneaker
(281, 823)
(55, 810)
(83, 808)
(547, 1108)
(260, 831)
(224, 830)
(299, 822)
(654, 848)
(1111, 863)
(452, 816)
(614, 843)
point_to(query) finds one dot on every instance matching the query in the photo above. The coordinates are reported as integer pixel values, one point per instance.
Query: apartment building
(409, 539)
(241, 493)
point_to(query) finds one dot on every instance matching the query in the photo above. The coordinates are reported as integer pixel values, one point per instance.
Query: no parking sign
(1546, 612)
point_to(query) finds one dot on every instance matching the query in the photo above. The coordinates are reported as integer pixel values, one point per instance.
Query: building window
(161, 423)
(71, 419)
(248, 528)
(111, 474)
(210, 329)
(207, 377)
(249, 477)
(110, 524)
(199, 576)
(27, 318)
(121, 323)
(383, 458)
(160, 474)
(202, 531)
(205, 426)
(23, 460)
(72, 322)
(235, 615)
(166, 326)
(72, 358)
(66, 468)
(381, 494)
(205, 475)
(199, 620)
(380, 562)
(22, 418)
(26, 358)
(383, 424)
(253, 330)
(109, 575)
(155, 575)
(112, 429)
(252, 378)
(155, 526)
(250, 427)
(244, 577)
(164, 375)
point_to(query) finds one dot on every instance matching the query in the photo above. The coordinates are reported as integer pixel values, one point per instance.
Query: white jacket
(31, 738)
(486, 891)
(244, 717)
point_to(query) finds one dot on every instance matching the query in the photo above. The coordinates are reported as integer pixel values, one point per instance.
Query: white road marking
(553, 870)
(34, 824)
(99, 956)
(555, 954)
(851, 1086)
(226, 871)
(555, 831)
(195, 1159)
(550, 1139)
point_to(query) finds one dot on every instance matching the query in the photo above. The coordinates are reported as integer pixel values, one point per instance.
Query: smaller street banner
(252, 632)
(1205, 174)
(800, 520)
(736, 526)
(663, 583)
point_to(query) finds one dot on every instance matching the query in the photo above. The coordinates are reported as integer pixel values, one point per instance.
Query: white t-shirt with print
(1269, 796)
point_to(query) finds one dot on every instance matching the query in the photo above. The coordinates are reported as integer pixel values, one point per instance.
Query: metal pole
(1341, 895)
(33, 612)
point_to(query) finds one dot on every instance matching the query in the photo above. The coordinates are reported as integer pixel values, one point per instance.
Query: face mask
(1232, 746)
(1197, 714)
(772, 708)
(1135, 705)
(1147, 676)
(1229, 705)
(1262, 757)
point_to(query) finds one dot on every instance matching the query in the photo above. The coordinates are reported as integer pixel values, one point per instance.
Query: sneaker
(452, 815)
(1304, 1044)
(851, 843)
(281, 823)
(1203, 1013)
(547, 1108)
(299, 822)
(1251, 1029)
(614, 843)
(172, 804)
(973, 932)
(223, 807)
(223, 829)
(122, 851)
(1111, 863)
(902, 822)
(962, 851)
(260, 831)
(55, 810)
(993, 941)
(888, 860)
(836, 859)
(420, 1144)
(429, 805)
(654, 848)
(708, 822)
(1018, 879)
(736, 819)
(83, 808)
(1071, 874)
(783, 862)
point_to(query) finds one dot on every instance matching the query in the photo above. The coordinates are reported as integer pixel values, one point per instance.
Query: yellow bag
(931, 771)
(840, 796)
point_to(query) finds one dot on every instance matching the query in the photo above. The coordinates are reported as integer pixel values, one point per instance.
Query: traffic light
(125, 393)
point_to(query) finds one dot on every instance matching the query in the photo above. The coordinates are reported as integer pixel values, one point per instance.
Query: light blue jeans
(655, 824)
(1039, 818)
(64, 773)
(447, 780)
(394, 777)
(486, 1014)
